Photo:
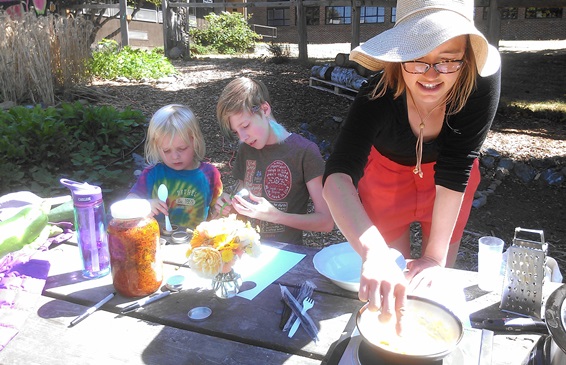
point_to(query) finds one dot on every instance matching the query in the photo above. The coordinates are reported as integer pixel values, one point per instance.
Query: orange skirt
(394, 197)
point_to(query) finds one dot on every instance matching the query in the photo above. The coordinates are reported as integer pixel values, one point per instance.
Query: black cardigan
(384, 124)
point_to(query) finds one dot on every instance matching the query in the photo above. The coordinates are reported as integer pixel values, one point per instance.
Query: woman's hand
(383, 286)
(422, 272)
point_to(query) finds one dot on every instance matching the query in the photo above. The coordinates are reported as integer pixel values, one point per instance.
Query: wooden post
(356, 10)
(494, 24)
(302, 30)
(124, 23)
(165, 10)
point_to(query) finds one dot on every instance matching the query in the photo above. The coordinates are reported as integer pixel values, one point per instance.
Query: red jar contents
(135, 249)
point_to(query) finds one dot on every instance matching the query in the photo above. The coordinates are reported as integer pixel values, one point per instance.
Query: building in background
(332, 24)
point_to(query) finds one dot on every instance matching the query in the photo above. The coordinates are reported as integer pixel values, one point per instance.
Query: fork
(308, 303)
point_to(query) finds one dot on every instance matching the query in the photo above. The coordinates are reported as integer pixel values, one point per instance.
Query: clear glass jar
(135, 249)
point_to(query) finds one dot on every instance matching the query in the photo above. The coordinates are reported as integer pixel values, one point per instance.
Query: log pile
(341, 76)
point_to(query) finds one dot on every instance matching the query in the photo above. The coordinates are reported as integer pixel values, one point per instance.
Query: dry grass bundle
(35, 55)
(72, 49)
(12, 79)
(39, 55)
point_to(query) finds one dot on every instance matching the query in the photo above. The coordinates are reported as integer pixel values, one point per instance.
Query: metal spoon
(162, 194)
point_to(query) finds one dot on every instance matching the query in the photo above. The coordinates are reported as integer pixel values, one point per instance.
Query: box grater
(524, 275)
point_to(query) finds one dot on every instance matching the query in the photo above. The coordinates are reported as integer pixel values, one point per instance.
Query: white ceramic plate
(341, 264)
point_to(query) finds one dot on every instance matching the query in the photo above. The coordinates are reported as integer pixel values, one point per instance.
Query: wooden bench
(333, 87)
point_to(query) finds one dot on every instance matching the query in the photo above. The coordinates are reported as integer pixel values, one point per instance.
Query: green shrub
(84, 143)
(225, 33)
(110, 62)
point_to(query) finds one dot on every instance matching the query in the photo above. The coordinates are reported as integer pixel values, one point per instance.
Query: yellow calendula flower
(221, 241)
(227, 255)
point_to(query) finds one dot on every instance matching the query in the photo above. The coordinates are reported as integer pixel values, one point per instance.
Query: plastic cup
(490, 251)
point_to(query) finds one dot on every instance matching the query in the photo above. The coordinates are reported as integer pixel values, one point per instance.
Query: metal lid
(199, 313)
(165, 232)
(175, 283)
(554, 316)
(180, 237)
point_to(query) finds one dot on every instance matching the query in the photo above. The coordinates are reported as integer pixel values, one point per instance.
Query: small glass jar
(135, 249)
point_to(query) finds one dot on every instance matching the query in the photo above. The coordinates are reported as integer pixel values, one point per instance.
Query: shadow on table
(65, 279)
(73, 304)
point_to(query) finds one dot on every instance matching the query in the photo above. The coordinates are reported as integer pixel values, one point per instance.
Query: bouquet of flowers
(217, 244)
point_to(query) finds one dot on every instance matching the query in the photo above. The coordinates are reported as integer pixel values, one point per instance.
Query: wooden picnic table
(239, 331)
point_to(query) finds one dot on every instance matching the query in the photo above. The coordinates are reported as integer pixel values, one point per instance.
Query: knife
(520, 324)
(306, 290)
(296, 308)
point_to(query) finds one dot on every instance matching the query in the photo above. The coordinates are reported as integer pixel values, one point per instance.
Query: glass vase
(226, 284)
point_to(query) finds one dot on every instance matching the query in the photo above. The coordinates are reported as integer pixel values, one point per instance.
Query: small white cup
(490, 251)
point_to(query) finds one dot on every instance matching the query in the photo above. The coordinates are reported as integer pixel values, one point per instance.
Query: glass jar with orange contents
(135, 249)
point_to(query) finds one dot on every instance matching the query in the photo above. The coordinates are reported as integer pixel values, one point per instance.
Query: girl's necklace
(419, 147)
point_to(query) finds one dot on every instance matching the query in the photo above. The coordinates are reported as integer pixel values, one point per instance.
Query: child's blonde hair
(169, 121)
(244, 95)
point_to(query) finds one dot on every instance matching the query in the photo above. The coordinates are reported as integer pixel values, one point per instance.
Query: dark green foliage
(225, 33)
(109, 62)
(81, 142)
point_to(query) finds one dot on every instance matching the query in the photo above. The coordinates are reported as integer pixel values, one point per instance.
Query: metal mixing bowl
(430, 332)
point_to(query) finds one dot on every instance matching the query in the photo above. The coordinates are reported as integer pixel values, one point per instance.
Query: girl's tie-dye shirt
(192, 193)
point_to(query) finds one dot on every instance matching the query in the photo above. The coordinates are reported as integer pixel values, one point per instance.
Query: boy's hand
(253, 206)
(223, 206)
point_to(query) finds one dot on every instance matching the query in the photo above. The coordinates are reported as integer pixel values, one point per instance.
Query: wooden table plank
(255, 322)
(255, 331)
(105, 338)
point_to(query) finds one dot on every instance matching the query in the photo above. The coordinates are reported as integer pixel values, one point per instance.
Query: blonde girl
(175, 149)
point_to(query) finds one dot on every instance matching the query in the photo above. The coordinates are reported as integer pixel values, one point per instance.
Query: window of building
(372, 14)
(393, 14)
(312, 14)
(338, 15)
(543, 13)
(278, 17)
(508, 13)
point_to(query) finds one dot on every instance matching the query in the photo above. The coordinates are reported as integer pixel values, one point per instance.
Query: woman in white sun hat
(408, 151)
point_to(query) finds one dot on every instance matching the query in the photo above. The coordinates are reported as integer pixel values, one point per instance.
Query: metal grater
(524, 275)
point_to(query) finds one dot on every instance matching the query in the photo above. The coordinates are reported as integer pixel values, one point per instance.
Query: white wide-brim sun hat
(421, 26)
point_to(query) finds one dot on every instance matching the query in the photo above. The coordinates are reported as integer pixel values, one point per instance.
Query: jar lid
(180, 237)
(165, 232)
(130, 208)
(175, 283)
(200, 313)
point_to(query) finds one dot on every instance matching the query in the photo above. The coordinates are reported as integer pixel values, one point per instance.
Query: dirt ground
(537, 139)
